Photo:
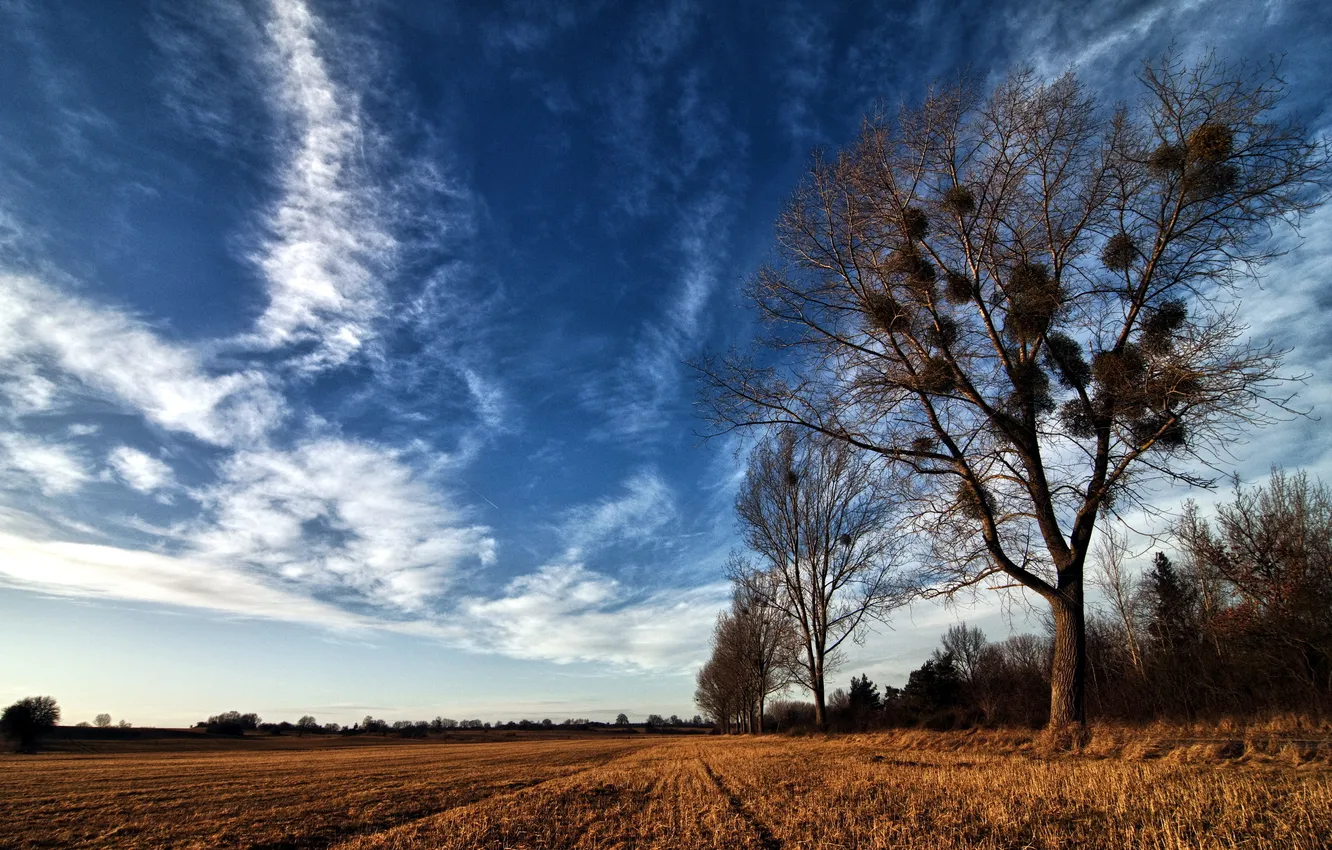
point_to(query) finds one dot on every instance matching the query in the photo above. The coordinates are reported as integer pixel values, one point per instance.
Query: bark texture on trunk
(820, 712)
(1068, 673)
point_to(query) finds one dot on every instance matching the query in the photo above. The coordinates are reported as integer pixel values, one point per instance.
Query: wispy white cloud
(522, 27)
(646, 505)
(562, 613)
(340, 518)
(635, 397)
(91, 348)
(565, 612)
(803, 68)
(56, 469)
(206, 79)
(27, 390)
(76, 124)
(328, 245)
(342, 535)
(490, 403)
(140, 470)
(108, 572)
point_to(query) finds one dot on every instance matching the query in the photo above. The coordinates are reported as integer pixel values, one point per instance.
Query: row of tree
(28, 720)
(1240, 624)
(821, 564)
(236, 723)
(996, 320)
(103, 721)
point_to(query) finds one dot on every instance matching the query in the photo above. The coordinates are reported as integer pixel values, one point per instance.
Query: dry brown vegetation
(909, 790)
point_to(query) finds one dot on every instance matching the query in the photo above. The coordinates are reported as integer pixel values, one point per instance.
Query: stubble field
(856, 792)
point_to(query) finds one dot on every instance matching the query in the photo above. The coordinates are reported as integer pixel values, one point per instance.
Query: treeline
(237, 723)
(1238, 624)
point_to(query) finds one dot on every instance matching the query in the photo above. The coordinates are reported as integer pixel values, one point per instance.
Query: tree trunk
(820, 717)
(759, 728)
(1068, 673)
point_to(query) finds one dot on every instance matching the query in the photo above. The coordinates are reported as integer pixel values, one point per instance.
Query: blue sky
(342, 344)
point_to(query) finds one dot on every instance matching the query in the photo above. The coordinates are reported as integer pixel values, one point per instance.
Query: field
(905, 791)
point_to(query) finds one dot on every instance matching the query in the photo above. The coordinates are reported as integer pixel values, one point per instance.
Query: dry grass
(908, 790)
(276, 799)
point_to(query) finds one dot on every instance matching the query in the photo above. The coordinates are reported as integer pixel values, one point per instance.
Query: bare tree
(1271, 548)
(1120, 588)
(1028, 302)
(102, 721)
(967, 646)
(719, 693)
(820, 521)
(753, 657)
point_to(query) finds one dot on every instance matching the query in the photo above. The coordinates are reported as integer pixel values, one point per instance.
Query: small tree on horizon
(102, 721)
(26, 721)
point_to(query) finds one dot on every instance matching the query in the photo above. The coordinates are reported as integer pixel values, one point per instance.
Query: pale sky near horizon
(342, 344)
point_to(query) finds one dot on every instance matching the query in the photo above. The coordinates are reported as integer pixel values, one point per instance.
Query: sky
(343, 346)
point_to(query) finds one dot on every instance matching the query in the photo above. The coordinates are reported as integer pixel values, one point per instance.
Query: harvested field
(863, 792)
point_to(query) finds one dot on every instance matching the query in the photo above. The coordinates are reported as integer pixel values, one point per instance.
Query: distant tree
(622, 719)
(656, 720)
(1122, 589)
(373, 726)
(1011, 684)
(307, 723)
(935, 687)
(1025, 302)
(1259, 580)
(26, 721)
(332, 728)
(124, 724)
(754, 655)
(965, 644)
(1173, 606)
(82, 724)
(822, 526)
(864, 695)
(102, 721)
(791, 714)
(232, 723)
(839, 702)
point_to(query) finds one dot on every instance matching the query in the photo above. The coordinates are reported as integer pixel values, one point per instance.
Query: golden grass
(986, 790)
(288, 798)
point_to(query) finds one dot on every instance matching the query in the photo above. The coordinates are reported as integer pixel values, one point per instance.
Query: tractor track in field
(495, 793)
(767, 840)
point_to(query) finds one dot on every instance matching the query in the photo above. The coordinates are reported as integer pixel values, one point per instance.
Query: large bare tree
(1027, 302)
(820, 523)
